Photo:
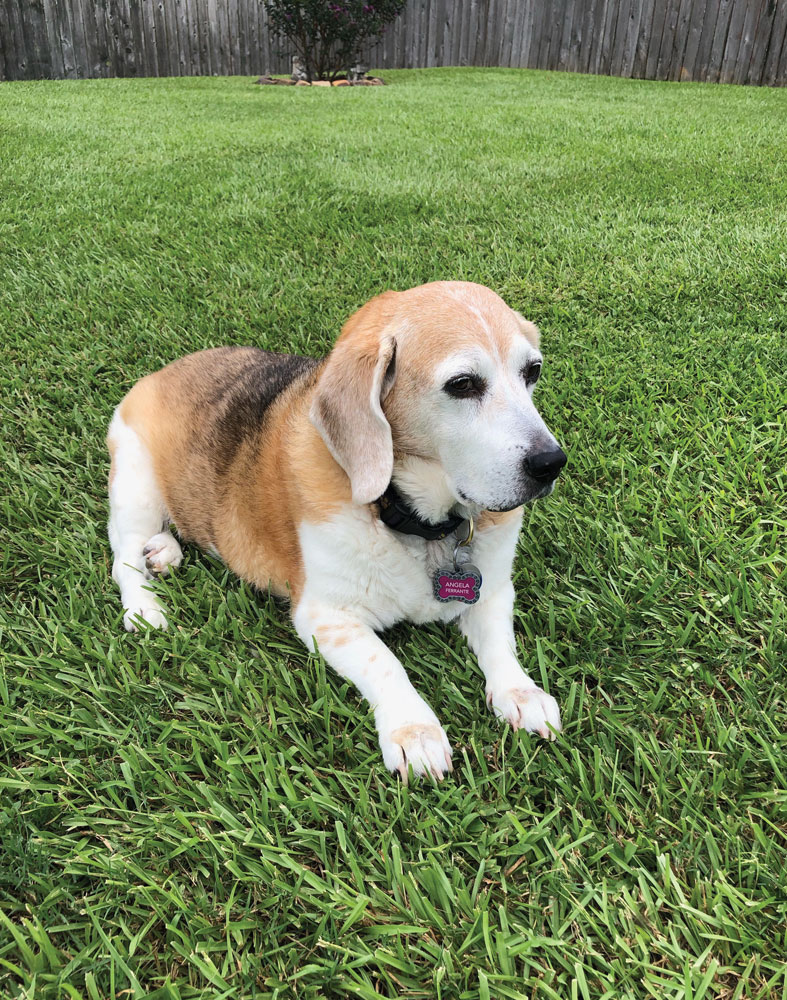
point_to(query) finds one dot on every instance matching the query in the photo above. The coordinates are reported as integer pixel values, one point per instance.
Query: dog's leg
(136, 518)
(510, 692)
(408, 729)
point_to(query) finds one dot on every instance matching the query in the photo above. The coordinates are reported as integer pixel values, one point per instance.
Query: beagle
(385, 482)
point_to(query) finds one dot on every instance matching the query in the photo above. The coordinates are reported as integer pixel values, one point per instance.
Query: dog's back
(203, 423)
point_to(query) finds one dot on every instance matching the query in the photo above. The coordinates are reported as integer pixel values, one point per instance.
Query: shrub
(328, 34)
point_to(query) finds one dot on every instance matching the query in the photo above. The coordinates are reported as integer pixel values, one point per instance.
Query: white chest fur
(356, 562)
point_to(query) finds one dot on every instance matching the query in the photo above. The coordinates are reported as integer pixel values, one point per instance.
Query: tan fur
(406, 734)
(347, 405)
(335, 636)
(251, 518)
(492, 518)
(112, 448)
(448, 316)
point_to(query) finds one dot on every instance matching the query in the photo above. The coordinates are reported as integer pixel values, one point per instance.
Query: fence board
(562, 31)
(553, 22)
(507, 21)
(5, 31)
(16, 38)
(679, 40)
(573, 58)
(776, 45)
(664, 62)
(65, 30)
(619, 37)
(162, 40)
(105, 12)
(34, 29)
(706, 39)
(168, 48)
(694, 36)
(759, 49)
(454, 15)
(423, 35)
(719, 40)
(431, 27)
(595, 30)
(541, 28)
(172, 21)
(656, 34)
(184, 37)
(733, 42)
(444, 30)
(643, 39)
(742, 41)
(639, 10)
(607, 39)
(521, 10)
(79, 41)
(96, 32)
(753, 12)
(491, 36)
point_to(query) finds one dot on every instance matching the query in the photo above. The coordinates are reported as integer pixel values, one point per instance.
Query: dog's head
(444, 372)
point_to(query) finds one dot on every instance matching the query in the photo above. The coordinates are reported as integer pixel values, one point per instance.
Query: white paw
(420, 745)
(151, 613)
(161, 552)
(527, 708)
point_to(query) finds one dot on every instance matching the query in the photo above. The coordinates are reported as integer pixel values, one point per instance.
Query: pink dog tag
(462, 583)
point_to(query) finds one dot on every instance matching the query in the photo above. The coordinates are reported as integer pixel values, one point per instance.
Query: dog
(383, 483)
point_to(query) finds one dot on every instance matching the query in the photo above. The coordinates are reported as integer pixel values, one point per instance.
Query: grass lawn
(205, 813)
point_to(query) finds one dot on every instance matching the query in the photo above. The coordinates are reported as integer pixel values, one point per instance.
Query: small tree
(328, 34)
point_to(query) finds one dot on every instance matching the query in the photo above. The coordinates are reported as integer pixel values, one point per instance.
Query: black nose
(546, 465)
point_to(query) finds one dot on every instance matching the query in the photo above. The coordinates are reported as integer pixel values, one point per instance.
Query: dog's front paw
(151, 613)
(161, 552)
(420, 745)
(527, 708)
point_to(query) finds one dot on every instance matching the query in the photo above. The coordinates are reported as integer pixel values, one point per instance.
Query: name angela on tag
(462, 583)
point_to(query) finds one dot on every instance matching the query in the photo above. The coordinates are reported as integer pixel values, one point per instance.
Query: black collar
(397, 514)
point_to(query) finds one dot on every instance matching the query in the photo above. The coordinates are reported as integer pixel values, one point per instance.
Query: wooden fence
(727, 41)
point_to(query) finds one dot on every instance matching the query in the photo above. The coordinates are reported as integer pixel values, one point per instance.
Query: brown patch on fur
(248, 507)
(415, 731)
(336, 636)
(452, 315)
(530, 330)
(493, 518)
(348, 396)
(406, 736)
(323, 485)
(522, 694)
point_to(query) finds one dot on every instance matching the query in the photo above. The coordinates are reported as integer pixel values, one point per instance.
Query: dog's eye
(465, 387)
(532, 372)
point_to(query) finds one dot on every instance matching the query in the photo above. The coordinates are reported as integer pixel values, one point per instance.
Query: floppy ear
(529, 329)
(347, 408)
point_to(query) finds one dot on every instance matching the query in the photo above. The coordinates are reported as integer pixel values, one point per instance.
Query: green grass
(205, 813)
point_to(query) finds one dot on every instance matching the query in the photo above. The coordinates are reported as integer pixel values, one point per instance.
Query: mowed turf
(205, 813)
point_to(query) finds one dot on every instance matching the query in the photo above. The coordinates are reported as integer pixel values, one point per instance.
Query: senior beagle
(382, 483)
